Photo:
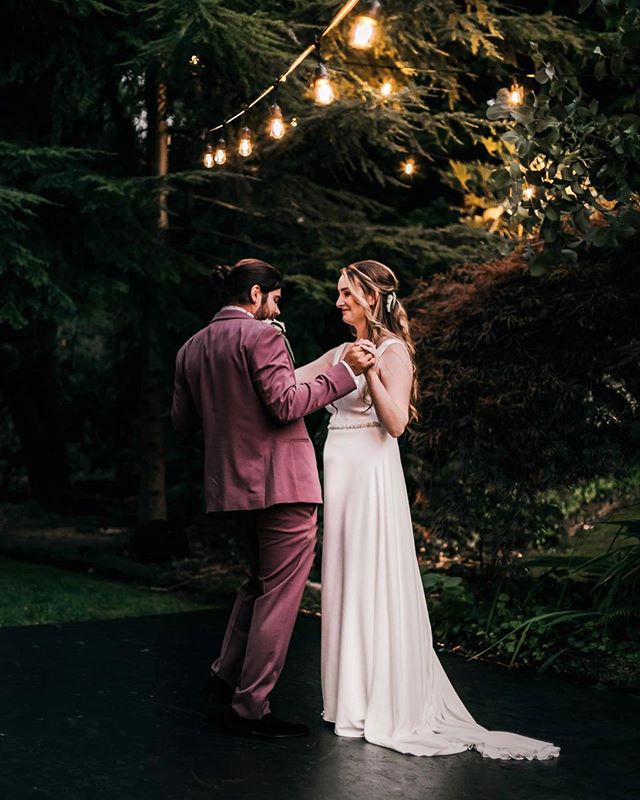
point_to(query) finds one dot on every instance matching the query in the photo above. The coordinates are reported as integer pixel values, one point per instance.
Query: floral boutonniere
(282, 330)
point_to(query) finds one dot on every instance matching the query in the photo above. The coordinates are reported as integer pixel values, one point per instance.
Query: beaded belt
(352, 427)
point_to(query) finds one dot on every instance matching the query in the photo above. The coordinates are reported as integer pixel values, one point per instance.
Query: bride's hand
(367, 345)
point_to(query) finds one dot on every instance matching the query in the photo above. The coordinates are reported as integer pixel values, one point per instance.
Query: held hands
(361, 356)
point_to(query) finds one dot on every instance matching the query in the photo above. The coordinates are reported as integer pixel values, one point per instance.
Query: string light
(363, 34)
(337, 18)
(207, 158)
(409, 167)
(277, 128)
(220, 155)
(245, 145)
(386, 90)
(322, 88)
(365, 27)
(516, 95)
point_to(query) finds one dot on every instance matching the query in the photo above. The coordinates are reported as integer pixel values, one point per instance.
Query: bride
(381, 678)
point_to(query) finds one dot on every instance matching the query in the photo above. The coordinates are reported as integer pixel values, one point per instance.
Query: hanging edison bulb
(277, 128)
(245, 145)
(516, 95)
(386, 90)
(409, 167)
(207, 158)
(364, 28)
(322, 87)
(220, 155)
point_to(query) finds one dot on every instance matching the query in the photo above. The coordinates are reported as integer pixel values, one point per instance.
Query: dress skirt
(381, 677)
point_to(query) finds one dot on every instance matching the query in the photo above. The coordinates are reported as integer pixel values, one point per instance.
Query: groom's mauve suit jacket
(235, 379)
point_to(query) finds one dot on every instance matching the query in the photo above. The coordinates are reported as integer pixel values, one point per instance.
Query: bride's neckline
(382, 341)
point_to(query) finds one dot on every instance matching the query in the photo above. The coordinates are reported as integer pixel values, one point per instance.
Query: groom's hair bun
(220, 273)
(234, 283)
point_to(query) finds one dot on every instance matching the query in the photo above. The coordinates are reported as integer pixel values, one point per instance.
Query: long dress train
(381, 678)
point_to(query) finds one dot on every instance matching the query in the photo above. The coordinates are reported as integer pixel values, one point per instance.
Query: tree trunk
(32, 392)
(152, 495)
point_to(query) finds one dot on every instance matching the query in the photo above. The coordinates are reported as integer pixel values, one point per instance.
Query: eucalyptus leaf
(541, 76)
(523, 115)
(549, 231)
(512, 137)
(515, 170)
(496, 112)
(501, 178)
(569, 255)
(540, 264)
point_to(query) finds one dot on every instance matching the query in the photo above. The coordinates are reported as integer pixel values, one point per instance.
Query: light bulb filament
(277, 128)
(220, 155)
(409, 167)
(516, 95)
(322, 86)
(324, 92)
(386, 89)
(245, 145)
(364, 28)
(363, 33)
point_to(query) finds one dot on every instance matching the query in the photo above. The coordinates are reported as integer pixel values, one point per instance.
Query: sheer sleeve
(396, 373)
(314, 368)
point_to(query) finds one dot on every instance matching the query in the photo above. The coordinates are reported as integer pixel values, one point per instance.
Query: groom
(235, 380)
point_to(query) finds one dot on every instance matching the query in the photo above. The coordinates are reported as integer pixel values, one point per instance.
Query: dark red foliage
(527, 383)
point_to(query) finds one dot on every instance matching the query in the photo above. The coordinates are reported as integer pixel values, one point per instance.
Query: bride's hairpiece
(391, 301)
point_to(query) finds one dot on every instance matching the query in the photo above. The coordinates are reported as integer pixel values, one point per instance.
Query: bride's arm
(390, 388)
(311, 370)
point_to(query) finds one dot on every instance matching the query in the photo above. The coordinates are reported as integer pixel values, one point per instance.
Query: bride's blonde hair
(386, 317)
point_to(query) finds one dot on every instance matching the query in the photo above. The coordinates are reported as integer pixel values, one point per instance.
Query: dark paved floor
(111, 710)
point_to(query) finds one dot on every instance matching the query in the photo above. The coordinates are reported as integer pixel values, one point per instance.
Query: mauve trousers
(279, 543)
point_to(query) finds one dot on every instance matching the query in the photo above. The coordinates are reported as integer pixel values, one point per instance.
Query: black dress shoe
(268, 726)
(218, 691)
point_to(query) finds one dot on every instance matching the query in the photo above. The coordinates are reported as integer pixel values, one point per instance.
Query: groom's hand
(359, 358)
(367, 345)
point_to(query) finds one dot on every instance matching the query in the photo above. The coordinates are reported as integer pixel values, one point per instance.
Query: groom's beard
(262, 312)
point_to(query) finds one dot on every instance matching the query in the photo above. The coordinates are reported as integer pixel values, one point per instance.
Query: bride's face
(352, 312)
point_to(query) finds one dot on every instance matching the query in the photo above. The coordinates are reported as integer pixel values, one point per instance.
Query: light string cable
(346, 9)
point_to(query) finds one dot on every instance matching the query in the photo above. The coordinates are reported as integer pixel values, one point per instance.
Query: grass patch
(32, 594)
(597, 540)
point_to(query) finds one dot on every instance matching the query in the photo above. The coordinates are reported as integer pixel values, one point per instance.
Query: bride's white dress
(381, 678)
